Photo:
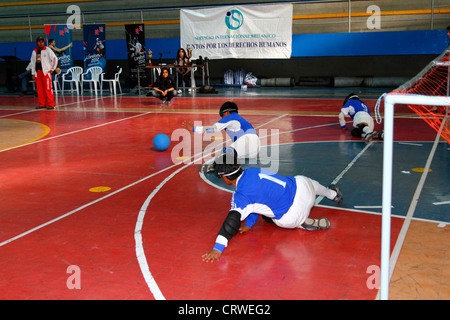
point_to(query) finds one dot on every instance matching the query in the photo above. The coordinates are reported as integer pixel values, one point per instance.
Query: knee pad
(357, 132)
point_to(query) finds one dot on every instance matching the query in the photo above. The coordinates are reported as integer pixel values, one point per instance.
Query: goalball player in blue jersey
(363, 125)
(245, 140)
(285, 201)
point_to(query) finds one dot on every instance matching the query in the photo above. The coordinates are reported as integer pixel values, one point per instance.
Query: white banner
(244, 31)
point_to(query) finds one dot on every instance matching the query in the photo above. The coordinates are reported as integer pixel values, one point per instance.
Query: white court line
(139, 247)
(76, 131)
(370, 207)
(441, 203)
(140, 253)
(402, 235)
(90, 203)
(339, 177)
(34, 110)
(18, 113)
(141, 259)
(411, 144)
(379, 214)
(84, 206)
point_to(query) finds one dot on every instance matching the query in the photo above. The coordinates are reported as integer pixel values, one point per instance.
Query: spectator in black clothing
(25, 78)
(164, 88)
(183, 74)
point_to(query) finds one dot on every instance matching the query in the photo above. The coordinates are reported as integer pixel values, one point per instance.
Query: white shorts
(363, 117)
(247, 146)
(304, 200)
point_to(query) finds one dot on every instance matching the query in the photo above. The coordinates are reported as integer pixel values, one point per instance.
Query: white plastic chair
(94, 80)
(193, 85)
(112, 82)
(72, 76)
(56, 85)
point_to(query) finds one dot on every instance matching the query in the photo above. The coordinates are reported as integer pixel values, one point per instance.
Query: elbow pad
(229, 228)
(231, 225)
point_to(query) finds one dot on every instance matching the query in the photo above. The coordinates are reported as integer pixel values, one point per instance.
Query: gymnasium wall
(330, 38)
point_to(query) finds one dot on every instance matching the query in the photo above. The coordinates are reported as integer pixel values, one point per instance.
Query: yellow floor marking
(99, 189)
(14, 132)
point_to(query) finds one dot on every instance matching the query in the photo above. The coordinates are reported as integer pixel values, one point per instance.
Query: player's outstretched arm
(342, 121)
(229, 228)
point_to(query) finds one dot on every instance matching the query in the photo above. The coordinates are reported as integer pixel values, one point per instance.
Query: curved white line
(143, 264)
(140, 254)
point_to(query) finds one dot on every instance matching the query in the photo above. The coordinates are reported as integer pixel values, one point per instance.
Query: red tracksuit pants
(44, 89)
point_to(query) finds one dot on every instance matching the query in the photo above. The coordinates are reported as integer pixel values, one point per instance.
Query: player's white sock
(323, 191)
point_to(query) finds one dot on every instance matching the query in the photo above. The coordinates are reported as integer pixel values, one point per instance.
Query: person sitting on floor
(164, 88)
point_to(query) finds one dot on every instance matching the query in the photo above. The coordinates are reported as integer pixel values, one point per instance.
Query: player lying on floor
(284, 201)
(245, 143)
(363, 125)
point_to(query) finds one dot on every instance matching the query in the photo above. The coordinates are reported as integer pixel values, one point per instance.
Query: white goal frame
(390, 100)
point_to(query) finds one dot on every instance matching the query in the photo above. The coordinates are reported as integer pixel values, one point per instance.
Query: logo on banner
(234, 19)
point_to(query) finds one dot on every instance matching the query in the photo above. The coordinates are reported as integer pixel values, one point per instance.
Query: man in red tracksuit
(43, 62)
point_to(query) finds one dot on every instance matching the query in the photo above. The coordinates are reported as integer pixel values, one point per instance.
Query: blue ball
(161, 142)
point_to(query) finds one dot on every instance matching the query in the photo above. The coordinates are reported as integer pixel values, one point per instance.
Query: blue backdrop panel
(303, 45)
(369, 43)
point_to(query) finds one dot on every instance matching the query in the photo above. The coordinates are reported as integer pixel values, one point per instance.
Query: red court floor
(82, 187)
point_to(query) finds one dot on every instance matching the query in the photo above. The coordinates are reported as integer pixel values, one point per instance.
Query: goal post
(390, 100)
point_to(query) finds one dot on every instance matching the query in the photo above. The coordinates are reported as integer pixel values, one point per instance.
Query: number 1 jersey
(260, 191)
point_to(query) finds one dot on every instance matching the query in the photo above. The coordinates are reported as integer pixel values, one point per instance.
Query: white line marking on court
(301, 129)
(411, 144)
(370, 207)
(76, 131)
(85, 206)
(379, 214)
(402, 235)
(140, 252)
(441, 203)
(339, 177)
(58, 106)
(138, 237)
(18, 113)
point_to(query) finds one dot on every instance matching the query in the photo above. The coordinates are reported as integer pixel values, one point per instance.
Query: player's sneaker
(339, 197)
(316, 224)
(369, 137)
(380, 135)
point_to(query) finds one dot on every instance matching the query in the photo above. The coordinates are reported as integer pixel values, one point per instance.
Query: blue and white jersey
(354, 106)
(260, 191)
(235, 126)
